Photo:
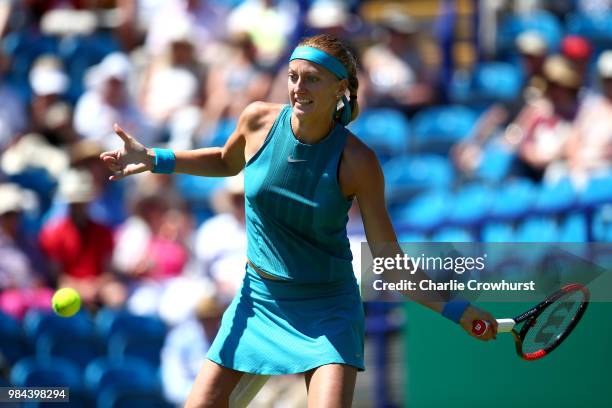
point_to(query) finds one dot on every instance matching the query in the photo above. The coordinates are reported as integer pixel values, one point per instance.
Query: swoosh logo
(292, 160)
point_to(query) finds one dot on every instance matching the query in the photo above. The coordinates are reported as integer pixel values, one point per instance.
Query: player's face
(313, 90)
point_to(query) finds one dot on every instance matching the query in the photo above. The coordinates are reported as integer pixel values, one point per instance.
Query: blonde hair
(340, 51)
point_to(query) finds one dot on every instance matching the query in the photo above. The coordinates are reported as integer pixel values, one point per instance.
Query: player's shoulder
(358, 153)
(258, 113)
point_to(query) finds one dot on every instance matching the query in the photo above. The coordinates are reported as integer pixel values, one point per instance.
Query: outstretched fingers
(122, 134)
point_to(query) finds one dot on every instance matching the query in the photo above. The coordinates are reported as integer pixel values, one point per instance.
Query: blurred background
(492, 121)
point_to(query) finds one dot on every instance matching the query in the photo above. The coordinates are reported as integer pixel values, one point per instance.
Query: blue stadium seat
(55, 372)
(79, 53)
(221, 132)
(109, 322)
(131, 373)
(407, 176)
(410, 236)
(513, 200)
(128, 398)
(387, 131)
(24, 47)
(497, 232)
(197, 190)
(538, 229)
(543, 22)
(601, 225)
(38, 323)
(12, 343)
(493, 81)
(497, 82)
(597, 192)
(553, 199)
(595, 27)
(452, 234)
(144, 346)
(437, 129)
(470, 205)
(496, 162)
(78, 349)
(574, 228)
(424, 213)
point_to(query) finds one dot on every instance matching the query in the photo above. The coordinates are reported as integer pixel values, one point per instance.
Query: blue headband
(333, 65)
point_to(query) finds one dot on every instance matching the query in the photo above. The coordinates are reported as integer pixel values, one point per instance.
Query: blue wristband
(164, 161)
(453, 309)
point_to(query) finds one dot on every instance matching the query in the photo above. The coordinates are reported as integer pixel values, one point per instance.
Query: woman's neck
(310, 131)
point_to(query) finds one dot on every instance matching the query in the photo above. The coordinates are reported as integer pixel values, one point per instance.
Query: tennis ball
(66, 302)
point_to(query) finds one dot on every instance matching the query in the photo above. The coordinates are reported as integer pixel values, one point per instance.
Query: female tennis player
(299, 308)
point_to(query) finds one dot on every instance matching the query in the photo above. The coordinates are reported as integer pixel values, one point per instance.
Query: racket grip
(480, 327)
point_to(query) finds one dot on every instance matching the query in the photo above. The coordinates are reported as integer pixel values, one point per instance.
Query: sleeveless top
(296, 214)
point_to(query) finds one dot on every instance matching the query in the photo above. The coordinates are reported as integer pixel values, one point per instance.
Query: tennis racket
(546, 325)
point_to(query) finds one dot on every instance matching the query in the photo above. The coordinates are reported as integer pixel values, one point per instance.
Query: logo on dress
(292, 160)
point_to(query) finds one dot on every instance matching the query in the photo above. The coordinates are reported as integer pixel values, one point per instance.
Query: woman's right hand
(132, 158)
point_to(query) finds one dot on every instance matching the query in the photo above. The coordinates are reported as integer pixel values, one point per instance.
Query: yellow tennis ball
(66, 302)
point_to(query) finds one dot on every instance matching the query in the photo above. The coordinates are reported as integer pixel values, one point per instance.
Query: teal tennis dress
(311, 314)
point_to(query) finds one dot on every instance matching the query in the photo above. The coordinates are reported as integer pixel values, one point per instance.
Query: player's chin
(303, 109)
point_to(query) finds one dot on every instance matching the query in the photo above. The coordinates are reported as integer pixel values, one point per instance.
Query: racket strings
(547, 328)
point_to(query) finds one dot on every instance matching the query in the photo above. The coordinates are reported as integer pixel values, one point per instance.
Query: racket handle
(480, 327)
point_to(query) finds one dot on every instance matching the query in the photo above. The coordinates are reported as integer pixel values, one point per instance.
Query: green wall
(447, 368)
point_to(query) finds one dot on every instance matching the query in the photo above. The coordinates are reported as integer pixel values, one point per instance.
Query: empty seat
(131, 373)
(407, 176)
(424, 213)
(437, 129)
(12, 343)
(38, 323)
(387, 131)
(110, 322)
(145, 346)
(54, 372)
(78, 349)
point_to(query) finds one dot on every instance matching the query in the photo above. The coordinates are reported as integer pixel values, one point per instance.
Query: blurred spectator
(186, 346)
(80, 249)
(5, 13)
(133, 235)
(235, 82)
(578, 51)
(153, 243)
(220, 244)
(13, 116)
(24, 279)
(538, 133)
(331, 17)
(51, 117)
(589, 148)
(107, 101)
(48, 81)
(394, 65)
(33, 151)
(206, 19)
(269, 24)
(172, 93)
(109, 207)
(533, 49)
(543, 128)
(173, 80)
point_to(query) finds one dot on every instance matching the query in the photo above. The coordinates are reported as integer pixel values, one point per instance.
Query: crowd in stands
(534, 109)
